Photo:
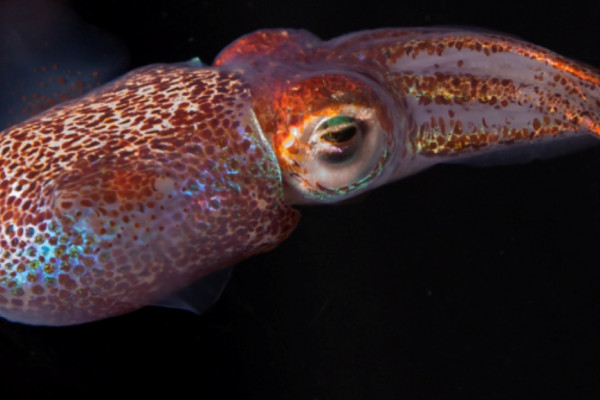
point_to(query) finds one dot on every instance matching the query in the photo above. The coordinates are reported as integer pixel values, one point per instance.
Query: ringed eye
(339, 139)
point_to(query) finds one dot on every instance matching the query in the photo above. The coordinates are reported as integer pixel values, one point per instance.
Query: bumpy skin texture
(112, 201)
(115, 200)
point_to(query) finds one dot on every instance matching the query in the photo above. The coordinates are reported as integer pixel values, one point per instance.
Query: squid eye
(339, 139)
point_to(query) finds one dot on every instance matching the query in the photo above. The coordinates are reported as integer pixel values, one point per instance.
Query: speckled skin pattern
(117, 199)
(114, 200)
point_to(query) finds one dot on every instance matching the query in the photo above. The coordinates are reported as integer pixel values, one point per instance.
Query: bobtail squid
(118, 198)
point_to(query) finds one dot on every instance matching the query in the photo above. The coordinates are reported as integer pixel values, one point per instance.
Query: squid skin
(130, 193)
(114, 200)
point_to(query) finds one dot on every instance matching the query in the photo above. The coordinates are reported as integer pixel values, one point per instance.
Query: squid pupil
(338, 129)
(340, 136)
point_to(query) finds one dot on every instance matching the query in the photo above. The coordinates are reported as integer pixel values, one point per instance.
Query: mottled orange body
(126, 195)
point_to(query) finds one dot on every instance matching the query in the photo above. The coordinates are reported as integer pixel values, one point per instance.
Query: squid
(127, 194)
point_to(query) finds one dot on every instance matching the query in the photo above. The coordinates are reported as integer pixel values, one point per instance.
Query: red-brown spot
(110, 197)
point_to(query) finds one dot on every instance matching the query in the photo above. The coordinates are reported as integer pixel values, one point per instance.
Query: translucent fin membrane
(199, 296)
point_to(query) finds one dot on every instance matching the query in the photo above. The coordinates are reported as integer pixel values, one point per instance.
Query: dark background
(456, 283)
